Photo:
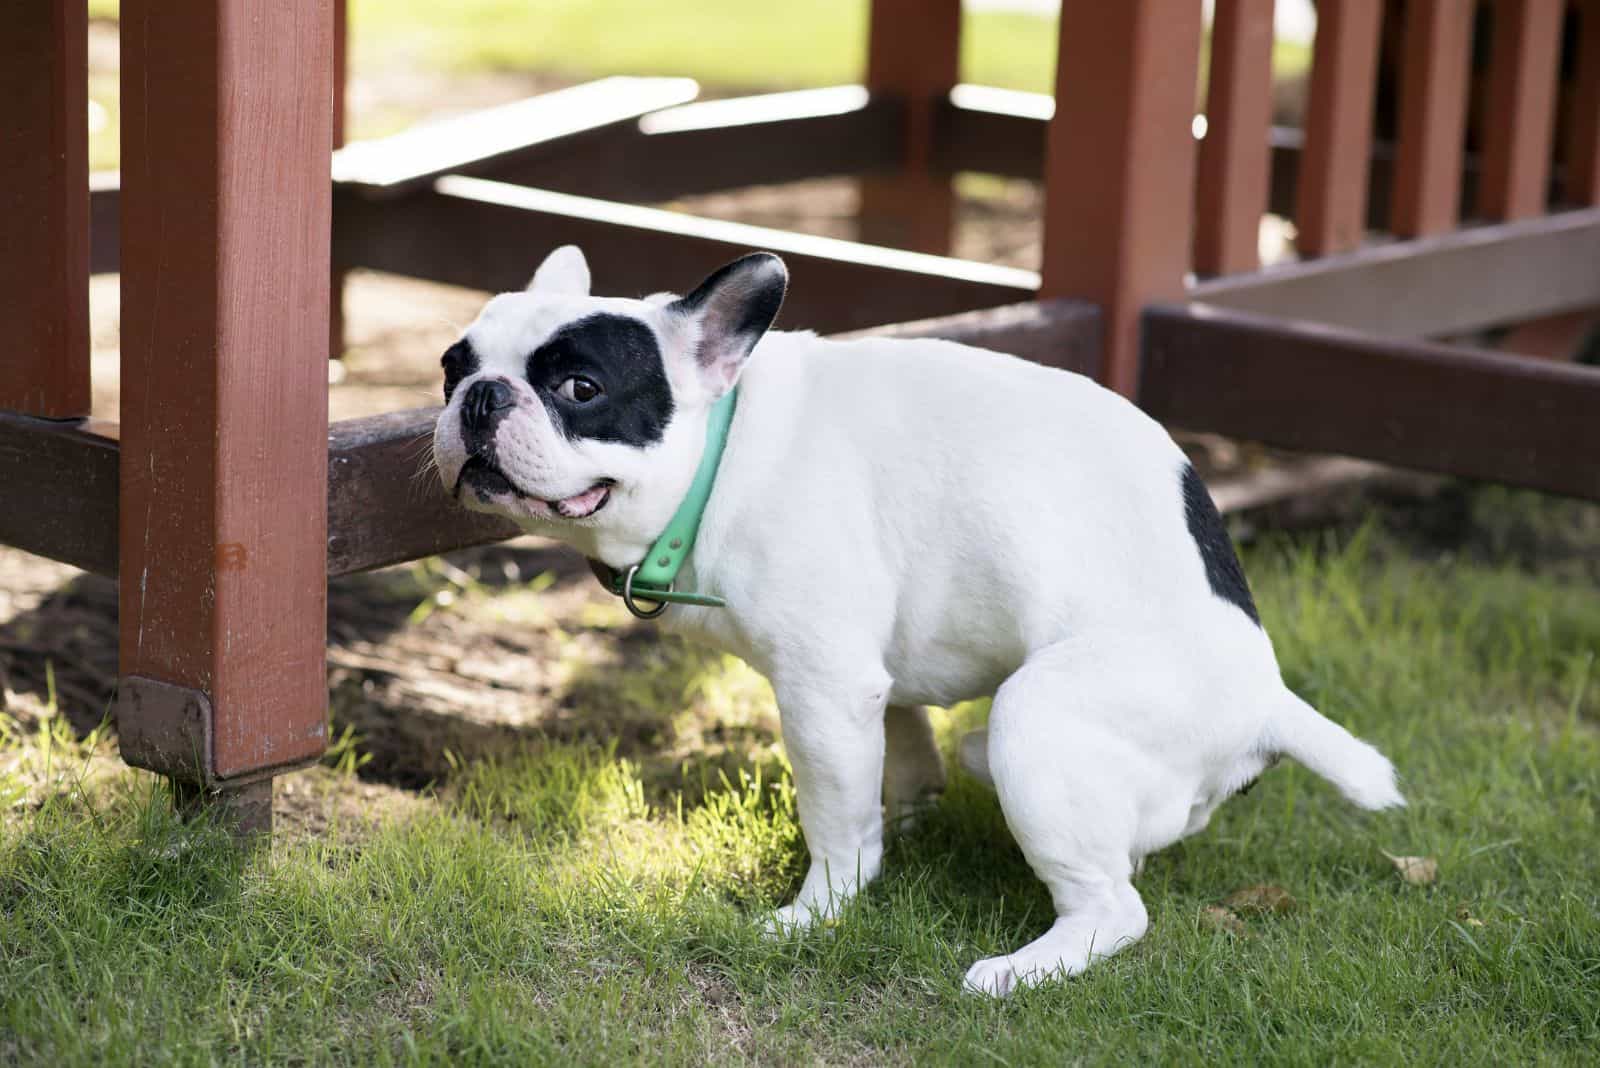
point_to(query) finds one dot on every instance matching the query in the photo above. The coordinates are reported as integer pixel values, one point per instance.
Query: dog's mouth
(487, 482)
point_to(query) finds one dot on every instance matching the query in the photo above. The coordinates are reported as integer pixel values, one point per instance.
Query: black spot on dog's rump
(1216, 548)
(459, 361)
(620, 355)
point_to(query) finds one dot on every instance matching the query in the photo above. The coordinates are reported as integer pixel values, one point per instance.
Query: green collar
(651, 579)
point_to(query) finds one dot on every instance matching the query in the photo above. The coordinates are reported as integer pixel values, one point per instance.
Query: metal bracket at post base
(167, 729)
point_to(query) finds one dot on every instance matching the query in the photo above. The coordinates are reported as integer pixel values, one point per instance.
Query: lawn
(560, 905)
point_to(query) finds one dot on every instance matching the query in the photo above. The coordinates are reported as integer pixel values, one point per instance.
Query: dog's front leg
(833, 731)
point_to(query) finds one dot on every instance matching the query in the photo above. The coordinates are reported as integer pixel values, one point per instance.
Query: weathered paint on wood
(225, 238)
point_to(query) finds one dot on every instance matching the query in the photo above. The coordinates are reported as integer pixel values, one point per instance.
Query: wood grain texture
(44, 207)
(1331, 207)
(225, 247)
(1235, 155)
(1119, 183)
(1433, 116)
(1520, 113)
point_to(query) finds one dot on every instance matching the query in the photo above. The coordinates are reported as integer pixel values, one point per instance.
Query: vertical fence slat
(226, 210)
(1433, 116)
(913, 53)
(1331, 206)
(1582, 184)
(1521, 108)
(1120, 162)
(1235, 157)
(44, 207)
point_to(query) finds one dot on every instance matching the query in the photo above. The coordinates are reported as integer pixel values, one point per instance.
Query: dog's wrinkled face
(583, 417)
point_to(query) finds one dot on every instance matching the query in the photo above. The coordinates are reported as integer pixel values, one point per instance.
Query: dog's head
(584, 417)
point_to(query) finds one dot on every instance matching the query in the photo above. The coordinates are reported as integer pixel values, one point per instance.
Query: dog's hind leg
(1069, 789)
(913, 770)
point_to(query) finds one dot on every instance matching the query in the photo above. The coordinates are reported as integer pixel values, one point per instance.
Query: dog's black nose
(484, 404)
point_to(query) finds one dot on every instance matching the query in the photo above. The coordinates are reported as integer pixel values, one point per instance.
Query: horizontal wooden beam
(1449, 409)
(490, 235)
(385, 505)
(716, 145)
(59, 484)
(1056, 333)
(483, 140)
(1433, 287)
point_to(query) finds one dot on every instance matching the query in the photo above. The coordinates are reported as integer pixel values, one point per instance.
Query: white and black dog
(899, 523)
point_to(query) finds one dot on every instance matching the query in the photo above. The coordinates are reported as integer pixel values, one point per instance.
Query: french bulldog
(896, 524)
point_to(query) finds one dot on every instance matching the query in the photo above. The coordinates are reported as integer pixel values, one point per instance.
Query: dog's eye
(579, 389)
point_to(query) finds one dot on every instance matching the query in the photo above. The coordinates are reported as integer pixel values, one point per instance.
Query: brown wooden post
(1433, 116)
(1583, 124)
(1119, 176)
(226, 209)
(913, 55)
(1331, 207)
(341, 104)
(44, 207)
(1235, 156)
(1520, 120)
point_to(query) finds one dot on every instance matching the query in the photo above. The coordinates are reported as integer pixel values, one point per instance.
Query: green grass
(556, 906)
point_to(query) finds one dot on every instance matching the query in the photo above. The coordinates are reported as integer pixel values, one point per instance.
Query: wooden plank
(1056, 333)
(1235, 154)
(385, 504)
(1520, 109)
(1119, 188)
(1437, 286)
(913, 57)
(489, 235)
(59, 480)
(1433, 116)
(225, 228)
(1442, 408)
(480, 141)
(1331, 209)
(44, 261)
(717, 145)
(1582, 183)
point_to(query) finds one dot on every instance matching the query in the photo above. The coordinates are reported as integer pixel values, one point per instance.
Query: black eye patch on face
(621, 356)
(459, 361)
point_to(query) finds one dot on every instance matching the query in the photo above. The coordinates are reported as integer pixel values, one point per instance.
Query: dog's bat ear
(733, 309)
(563, 273)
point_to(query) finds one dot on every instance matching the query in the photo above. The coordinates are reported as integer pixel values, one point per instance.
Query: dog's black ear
(733, 309)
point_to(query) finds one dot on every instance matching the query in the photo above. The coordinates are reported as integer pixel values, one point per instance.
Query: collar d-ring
(633, 606)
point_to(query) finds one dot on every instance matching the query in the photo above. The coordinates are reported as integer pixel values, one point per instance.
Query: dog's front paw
(792, 920)
(994, 976)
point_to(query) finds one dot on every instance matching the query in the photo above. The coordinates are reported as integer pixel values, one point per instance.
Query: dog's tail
(1361, 773)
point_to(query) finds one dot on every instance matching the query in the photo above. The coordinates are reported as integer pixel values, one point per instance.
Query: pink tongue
(584, 503)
